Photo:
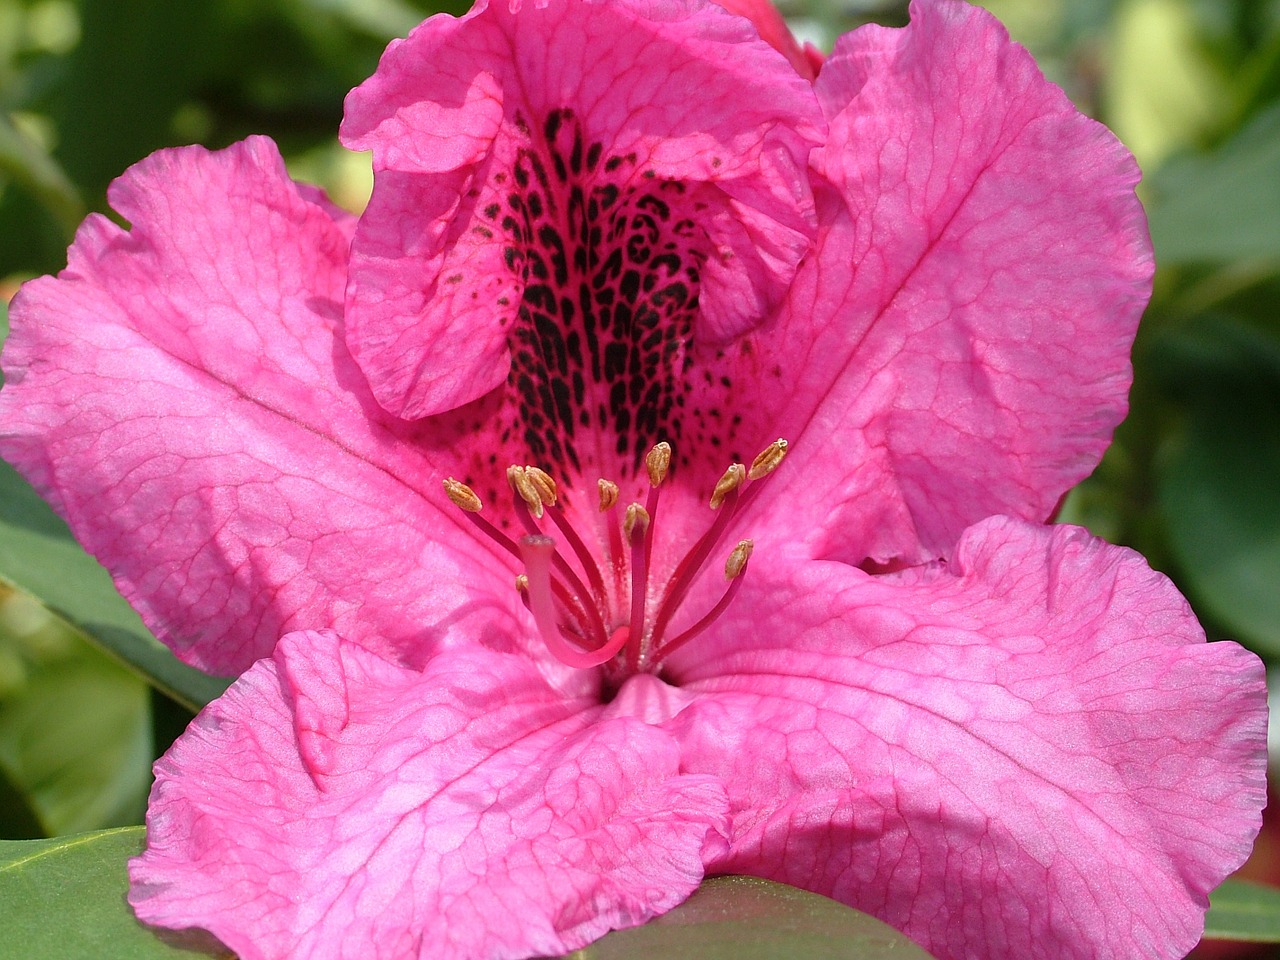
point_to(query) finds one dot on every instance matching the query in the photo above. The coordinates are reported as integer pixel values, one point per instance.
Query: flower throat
(591, 611)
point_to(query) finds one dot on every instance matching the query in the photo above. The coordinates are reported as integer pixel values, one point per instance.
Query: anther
(637, 516)
(543, 484)
(732, 479)
(518, 477)
(657, 461)
(608, 494)
(768, 460)
(738, 558)
(462, 495)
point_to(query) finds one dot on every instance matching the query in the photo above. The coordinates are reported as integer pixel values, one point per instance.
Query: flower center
(599, 609)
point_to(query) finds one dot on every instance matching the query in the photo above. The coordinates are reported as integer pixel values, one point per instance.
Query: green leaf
(39, 555)
(1239, 910)
(1216, 475)
(25, 162)
(75, 729)
(65, 898)
(745, 918)
(1223, 206)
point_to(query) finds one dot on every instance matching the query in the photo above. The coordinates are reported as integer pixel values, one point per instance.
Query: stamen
(657, 462)
(732, 480)
(768, 460)
(608, 498)
(580, 550)
(737, 562)
(586, 626)
(608, 494)
(734, 568)
(636, 527)
(686, 571)
(583, 612)
(525, 488)
(636, 516)
(543, 484)
(462, 495)
(537, 552)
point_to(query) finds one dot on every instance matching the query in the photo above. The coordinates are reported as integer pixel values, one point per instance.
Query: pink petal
(182, 394)
(964, 327)
(334, 805)
(774, 31)
(494, 133)
(1029, 752)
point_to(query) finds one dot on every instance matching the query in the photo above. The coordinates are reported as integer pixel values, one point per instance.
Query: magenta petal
(503, 139)
(1030, 752)
(182, 394)
(774, 31)
(334, 805)
(964, 327)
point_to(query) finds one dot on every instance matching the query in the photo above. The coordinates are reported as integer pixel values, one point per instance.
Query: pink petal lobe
(1028, 752)
(465, 811)
(528, 156)
(774, 31)
(182, 394)
(964, 326)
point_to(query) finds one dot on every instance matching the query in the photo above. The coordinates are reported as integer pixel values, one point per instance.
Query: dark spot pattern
(602, 337)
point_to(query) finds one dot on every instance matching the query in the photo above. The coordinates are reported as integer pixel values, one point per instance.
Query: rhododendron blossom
(651, 483)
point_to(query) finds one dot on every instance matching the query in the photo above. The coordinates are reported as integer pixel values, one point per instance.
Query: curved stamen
(537, 552)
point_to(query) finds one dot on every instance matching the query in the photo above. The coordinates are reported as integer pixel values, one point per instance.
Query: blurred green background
(1192, 481)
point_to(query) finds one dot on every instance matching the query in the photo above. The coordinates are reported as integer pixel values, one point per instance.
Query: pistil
(608, 609)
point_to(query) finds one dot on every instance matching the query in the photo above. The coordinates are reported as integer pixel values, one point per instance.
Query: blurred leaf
(65, 900)
(136, 63)
(1222, 206)
(24, 162)
(39, 555)
(17, 820)
(745, 918)
(1218, 474)
(1239, 910)
(1163, 91)
(75, 735)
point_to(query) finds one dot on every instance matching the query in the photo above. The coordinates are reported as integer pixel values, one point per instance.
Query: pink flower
(597, 229)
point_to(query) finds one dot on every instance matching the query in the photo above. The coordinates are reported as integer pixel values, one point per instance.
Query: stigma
(611, 606)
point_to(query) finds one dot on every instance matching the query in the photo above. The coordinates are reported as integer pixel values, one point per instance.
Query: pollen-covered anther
(596, 603)
(737, 562)
(525, 489)
(608, 494)
(657, 462)
(543, 484)
(732, 480)
(636, 522)
(768, 460)
(462, 495)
